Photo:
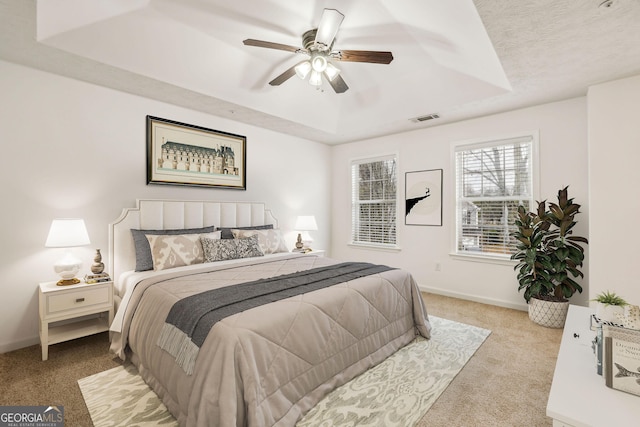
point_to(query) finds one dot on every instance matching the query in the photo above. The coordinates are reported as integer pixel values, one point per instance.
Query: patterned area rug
(397, 392)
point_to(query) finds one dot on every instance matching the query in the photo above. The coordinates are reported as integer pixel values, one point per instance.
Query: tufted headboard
(177, 214)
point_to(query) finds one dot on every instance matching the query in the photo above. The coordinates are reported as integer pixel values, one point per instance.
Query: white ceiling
(457, 58)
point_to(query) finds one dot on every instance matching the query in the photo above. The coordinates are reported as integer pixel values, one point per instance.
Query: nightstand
(62, 307)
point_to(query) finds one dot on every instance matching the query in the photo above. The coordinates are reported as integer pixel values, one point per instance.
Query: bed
(265, 364)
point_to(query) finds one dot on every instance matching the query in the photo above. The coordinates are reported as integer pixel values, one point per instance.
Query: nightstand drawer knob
(79, 299)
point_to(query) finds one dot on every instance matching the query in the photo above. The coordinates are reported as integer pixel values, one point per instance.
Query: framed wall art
(423, 197)
(182, 154)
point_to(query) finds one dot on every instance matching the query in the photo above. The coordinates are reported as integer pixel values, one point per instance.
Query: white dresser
(578, 394)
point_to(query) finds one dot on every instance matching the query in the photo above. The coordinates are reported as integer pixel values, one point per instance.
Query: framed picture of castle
(183, 154)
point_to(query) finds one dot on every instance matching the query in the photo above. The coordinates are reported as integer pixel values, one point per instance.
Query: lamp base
(67, 282)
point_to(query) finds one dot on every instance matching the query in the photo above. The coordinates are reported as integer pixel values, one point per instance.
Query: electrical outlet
(438, 266)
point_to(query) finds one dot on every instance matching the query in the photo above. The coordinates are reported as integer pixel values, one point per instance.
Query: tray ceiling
(458, 59)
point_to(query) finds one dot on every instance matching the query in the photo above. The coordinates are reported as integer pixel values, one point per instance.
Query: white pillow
(170, 251)
(271, 241)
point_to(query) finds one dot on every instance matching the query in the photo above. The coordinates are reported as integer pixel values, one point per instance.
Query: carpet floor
(505, 384)
(395, 393)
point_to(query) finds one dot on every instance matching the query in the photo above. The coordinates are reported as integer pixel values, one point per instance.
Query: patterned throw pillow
(170, 251)
(223, 249)
(144, 260)
(271, 241)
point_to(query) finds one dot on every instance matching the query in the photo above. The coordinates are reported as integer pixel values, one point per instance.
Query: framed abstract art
(423, 197)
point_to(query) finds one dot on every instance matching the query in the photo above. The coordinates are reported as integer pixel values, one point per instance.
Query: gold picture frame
(183, 154)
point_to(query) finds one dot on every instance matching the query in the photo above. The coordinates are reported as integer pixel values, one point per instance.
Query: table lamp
(67, 233)
(304, 224)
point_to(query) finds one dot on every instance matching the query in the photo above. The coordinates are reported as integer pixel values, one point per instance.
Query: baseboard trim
(474, 298)
(17, 345)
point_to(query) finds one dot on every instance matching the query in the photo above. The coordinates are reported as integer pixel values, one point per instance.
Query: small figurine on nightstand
(98, 266)
(300, 247)
(97, 269)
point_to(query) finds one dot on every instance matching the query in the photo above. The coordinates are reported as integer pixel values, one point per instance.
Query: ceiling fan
(318, 44)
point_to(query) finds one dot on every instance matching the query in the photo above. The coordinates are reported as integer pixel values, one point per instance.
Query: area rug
(396, 393)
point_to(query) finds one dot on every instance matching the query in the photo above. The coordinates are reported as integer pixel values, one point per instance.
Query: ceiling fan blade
(338, 84)
(375, 57)
(284, 76)
(271, 45)
(328, 27)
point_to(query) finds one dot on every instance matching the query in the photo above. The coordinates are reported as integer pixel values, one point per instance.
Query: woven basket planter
(549, 314)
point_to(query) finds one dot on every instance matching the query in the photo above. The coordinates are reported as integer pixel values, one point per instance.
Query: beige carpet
(395, 393)
(506, 383)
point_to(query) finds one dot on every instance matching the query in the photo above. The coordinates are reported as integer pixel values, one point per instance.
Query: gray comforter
(269, 365)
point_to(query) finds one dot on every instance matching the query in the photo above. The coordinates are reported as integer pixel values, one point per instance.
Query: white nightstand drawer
(77, 299)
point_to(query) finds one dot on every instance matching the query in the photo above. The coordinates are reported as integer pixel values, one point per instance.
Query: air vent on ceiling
(425, 118)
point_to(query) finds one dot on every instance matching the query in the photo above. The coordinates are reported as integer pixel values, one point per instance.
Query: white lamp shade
(306, 223)
(319, 63)
(315, 79)
(302, 69)
(67, 233)
(331, 71)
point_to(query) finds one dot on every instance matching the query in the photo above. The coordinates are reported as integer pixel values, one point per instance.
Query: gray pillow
(227, 234)
(144, 259)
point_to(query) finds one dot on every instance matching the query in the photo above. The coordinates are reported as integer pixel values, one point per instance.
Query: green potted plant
(549, 258)
(608, 306)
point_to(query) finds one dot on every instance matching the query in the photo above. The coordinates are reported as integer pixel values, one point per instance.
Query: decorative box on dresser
(579, 396)
(63, 311)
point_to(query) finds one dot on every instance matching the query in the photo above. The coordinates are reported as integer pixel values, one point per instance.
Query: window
(374, 205)
(492, 179)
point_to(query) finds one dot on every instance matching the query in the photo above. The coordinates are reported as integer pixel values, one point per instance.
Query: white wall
(72, 149)
(562, 129)
(614, 176)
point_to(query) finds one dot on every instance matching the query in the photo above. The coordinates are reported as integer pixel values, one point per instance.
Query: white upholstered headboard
(177, 214)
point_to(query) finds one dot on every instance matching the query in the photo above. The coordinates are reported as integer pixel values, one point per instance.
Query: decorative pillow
(169, 251)
(227, 234)
(223, 249)
(144, 261)
(271, 241)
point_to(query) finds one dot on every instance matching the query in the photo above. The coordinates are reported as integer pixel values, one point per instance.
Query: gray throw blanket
(190, 319)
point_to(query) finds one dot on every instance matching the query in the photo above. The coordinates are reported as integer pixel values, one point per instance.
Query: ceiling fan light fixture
(318, 44)
(315, 79)
(331, 71)
(319, 63)
(302, 69)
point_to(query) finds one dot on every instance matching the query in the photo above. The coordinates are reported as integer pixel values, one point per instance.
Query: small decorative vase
(98, 266)
(550, 314)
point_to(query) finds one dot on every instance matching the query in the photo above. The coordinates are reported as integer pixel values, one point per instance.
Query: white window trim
(376, 246)
(535, 184)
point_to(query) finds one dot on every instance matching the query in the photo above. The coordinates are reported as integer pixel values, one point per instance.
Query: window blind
(492, 179)
(374, 201)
